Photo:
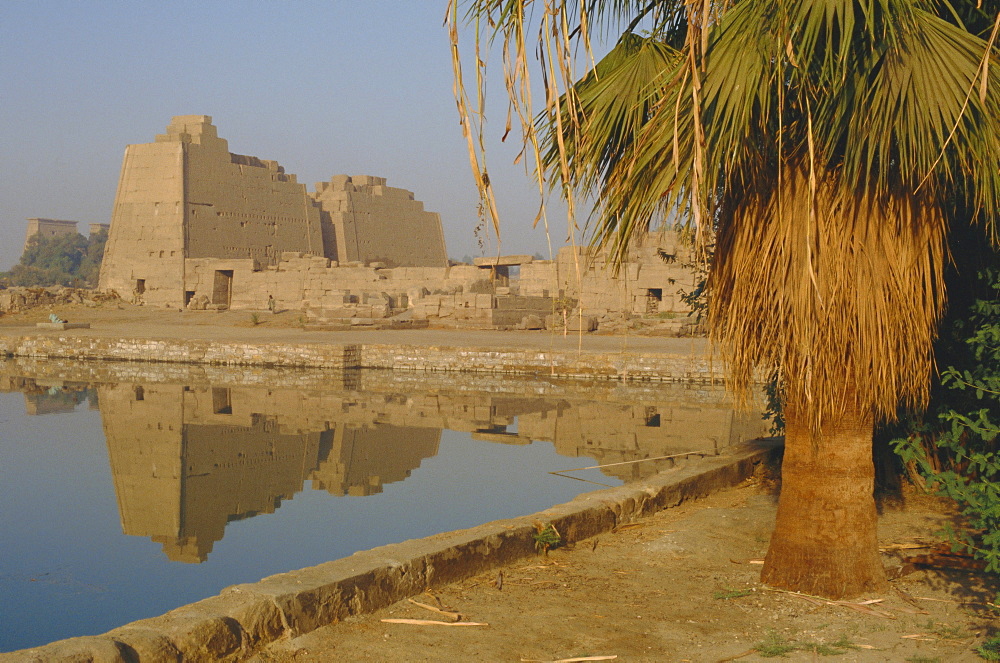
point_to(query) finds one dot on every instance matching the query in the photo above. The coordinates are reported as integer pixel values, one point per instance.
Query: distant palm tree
(823, 145)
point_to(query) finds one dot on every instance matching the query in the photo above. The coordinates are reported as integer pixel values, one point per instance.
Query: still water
(128, 490)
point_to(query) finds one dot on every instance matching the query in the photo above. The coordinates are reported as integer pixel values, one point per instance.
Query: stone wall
(239, 206)
(186, 203)
(195, 225)
(144, 255)
(366, 221)
(48, 228)
(657, 271)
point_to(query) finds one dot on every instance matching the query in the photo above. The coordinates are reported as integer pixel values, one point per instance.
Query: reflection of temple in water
(188, 460)
(52, 396)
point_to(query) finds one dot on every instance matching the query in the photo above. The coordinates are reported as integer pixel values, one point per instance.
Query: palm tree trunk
(824, 541)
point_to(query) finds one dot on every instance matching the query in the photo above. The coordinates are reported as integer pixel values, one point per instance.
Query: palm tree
(823, 146)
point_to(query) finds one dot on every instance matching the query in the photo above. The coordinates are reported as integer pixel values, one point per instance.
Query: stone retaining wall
(342, 356)
(613, 365)
(187, 351)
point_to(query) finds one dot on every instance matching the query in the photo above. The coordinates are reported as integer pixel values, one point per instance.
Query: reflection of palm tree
(824, 144)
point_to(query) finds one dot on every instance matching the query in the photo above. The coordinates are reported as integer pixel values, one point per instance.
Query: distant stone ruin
(198, 227)
(49, 228)
(192, 219)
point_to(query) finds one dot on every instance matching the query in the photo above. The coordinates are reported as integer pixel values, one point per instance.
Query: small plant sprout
(546, 537)
(729, 593)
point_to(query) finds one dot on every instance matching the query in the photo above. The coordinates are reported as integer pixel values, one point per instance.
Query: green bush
(71, 260)
(952, 448)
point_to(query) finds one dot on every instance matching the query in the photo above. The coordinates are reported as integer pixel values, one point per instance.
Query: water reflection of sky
(245, 481)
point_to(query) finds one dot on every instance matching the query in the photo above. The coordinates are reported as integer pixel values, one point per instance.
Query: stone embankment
(332, 355)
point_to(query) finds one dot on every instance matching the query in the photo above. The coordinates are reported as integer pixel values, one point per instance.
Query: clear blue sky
(322, 87)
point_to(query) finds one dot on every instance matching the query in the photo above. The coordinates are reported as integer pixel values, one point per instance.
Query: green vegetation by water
(70, 260)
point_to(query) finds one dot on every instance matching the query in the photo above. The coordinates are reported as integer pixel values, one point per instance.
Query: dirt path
(680, 586)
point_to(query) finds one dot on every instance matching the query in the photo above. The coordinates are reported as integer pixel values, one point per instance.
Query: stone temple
(195, 226)
(193, 219)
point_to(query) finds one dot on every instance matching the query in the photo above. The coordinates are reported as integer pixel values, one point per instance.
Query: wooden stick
(431, 622)
(704, 452)
(454, 616)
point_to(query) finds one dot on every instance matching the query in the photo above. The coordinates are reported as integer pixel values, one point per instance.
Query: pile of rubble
(15, 300)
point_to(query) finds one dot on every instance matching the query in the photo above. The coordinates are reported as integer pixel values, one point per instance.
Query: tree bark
(825, 541)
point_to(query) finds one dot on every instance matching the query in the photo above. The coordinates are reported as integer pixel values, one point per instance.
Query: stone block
(502, 261)
(147, 644)
(341, 183)
(63, 325)
(417, 294)
(318, 262)
(88, 649)
(532, 321)
(200, 635)
(575, 322)
(484, 301)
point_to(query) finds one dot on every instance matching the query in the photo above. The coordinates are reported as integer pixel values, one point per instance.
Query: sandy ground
(680, 586)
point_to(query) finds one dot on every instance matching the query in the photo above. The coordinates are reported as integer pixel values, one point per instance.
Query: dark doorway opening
(653, 298)
(221, 403)
(222, 292)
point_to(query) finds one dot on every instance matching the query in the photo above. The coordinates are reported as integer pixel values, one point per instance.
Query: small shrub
(546, 537)
(990, 650)
(954, 448)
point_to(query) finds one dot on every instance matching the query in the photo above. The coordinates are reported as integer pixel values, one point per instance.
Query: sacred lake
(129, 489)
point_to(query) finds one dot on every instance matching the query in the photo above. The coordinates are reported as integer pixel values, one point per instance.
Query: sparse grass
(728, 593)
(923, 659)
(990, 650)
(775, 645)
(255, 319)
(946, 632)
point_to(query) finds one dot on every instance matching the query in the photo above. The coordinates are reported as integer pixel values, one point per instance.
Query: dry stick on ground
(572, 660)
(861, 606)
(431, 622)
(454, 616)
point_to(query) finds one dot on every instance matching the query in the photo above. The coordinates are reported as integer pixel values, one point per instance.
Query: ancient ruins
(49, 228)
(195, 226)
